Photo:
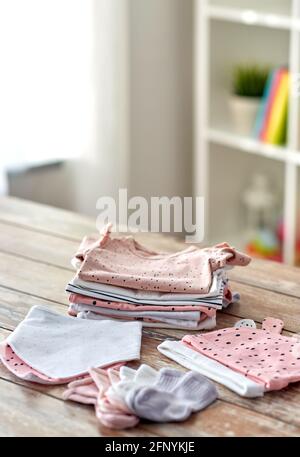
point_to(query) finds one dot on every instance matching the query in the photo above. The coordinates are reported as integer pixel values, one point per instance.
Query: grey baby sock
(173, 397)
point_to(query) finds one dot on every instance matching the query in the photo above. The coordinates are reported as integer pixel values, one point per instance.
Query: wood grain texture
(36, 243)
(38, 246)
(49, 282)
(277, 405)
(65, 224)
(274, 276)
(274, 406)
(42, 219)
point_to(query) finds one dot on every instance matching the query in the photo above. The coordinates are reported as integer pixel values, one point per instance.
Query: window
(46, 80)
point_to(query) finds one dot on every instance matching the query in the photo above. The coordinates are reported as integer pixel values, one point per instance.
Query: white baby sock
(130, 380)
(173, 397)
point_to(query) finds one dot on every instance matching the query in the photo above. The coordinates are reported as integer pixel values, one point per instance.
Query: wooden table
(36, 244)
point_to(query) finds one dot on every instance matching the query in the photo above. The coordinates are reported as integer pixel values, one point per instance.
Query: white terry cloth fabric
(131, 379)
(62, 347)
(193, 360)
(121, 294)
(158, 315)
(207, 324)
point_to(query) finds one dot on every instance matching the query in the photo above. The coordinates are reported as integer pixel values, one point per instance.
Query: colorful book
(262, 110)
(277, 122)
(278, 74)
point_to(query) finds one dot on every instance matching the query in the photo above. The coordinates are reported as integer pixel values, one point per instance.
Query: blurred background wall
(164, 98)
(138, 83)
(161, 97)
(65, 84)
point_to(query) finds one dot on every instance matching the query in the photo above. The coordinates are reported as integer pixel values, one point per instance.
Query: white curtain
(47, 83)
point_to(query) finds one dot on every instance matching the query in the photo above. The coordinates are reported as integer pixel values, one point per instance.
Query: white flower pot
(243, 113)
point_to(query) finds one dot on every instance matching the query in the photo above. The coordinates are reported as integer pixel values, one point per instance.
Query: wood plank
(257, 304)
(53, 250)
(41, 280)
(66, 224)
(50, 282)
(223, 321)
(14, 306)
(26, 412)
(45, 218)
(37, 246)
(279, 405)
(267, 275)
(225, 420)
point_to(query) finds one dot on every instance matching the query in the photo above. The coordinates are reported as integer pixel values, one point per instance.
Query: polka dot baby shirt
(263, 355)
(124, 262)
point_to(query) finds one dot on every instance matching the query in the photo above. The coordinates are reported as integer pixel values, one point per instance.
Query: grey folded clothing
(173, 397)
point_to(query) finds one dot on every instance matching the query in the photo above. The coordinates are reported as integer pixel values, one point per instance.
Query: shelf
(223, 37)
(253, 146)
(253, 17)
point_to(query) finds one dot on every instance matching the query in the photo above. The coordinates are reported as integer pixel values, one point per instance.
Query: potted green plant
(248, 85)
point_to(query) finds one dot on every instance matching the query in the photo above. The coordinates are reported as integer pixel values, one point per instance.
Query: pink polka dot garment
(22, 370)
(263, 355)
(124, 262)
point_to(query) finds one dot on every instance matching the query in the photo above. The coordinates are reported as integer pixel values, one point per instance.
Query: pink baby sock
(112, 412)
(82, 391)
(115, 416)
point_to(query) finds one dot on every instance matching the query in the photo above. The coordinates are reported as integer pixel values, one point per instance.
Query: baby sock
(144, 375)
(113, 415)
(102, 380)
(130, 380)
(111, 412)
(173, 397)
(85, 390)
(82, 391)
(115, 421)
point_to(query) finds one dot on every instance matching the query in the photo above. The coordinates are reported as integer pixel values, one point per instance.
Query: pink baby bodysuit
(124, 262)
(263, 355)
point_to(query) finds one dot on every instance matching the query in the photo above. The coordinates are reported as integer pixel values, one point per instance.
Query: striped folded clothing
(117, 278)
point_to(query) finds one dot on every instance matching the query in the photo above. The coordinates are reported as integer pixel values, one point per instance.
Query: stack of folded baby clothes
(117, 278)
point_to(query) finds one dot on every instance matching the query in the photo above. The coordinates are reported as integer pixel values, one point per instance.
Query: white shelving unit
(247, 25)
